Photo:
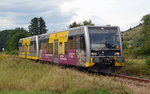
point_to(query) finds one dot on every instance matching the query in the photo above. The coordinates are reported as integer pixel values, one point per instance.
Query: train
(98, 48)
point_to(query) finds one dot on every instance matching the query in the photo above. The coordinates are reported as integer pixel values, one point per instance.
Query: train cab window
(60, 47)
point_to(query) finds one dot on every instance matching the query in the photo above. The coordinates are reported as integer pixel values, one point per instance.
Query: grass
(136, 67)
(129, 35)
(84, 91)
(25, 76)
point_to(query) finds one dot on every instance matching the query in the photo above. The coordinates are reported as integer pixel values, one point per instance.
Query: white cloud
(19, 13)
(123, 13)
(58, 14)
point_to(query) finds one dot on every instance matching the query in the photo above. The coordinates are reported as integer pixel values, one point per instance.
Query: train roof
(77, 31)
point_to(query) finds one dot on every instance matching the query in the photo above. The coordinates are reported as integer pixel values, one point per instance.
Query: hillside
(129, 35)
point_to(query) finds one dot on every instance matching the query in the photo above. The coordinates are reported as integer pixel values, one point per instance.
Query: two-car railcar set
(97, 47)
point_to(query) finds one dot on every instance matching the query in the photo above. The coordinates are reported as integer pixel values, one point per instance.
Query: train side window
(34, 44)
(60, 47)
(70, 43)
(45, 45)
(74, 42)
(31, 47)
(82, 43)
(66, 47)
(51, 48)
(20, 47)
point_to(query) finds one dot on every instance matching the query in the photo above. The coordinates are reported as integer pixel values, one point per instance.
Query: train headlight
(117, 53)
(93, 53)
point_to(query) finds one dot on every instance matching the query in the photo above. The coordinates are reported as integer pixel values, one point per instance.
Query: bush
(6, 52)
(148, 61)
(14, 52)
(124, 45)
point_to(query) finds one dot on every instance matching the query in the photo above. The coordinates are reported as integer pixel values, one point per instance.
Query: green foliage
(88, 91)
(14, 52)
(124, 45)
(147, 61)
(145, 34)
(88, 23)
(37, 26)
(146, 19)
(137, 41)
(75, 24)
(4, 35)
(139, 38)
(136, 67)
(14, 36)
(25, 92)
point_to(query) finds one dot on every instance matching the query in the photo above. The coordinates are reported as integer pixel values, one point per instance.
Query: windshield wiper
(108, 45)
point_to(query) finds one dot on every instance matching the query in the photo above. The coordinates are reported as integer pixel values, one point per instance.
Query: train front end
(105, 48)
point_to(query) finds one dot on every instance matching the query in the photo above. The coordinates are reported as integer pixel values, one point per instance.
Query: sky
(58, 14)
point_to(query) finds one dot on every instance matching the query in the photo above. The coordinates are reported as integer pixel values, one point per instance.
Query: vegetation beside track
(25, 76)
(136, 49)
(136, 67)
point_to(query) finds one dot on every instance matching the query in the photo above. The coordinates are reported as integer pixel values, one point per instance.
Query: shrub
(148, 61)
(14, 52)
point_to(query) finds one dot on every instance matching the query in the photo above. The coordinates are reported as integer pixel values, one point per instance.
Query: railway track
(132, 80)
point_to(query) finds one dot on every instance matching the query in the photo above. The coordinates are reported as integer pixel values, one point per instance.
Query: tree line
(9, 38)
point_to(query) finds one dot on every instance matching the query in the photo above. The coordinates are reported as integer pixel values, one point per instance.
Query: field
(25, 76)
(136, 67)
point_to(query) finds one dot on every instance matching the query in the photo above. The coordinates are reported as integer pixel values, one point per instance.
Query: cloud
(58, 14)
(18, 13)
(122, 13)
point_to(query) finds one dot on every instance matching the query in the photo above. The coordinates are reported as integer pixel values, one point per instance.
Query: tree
(145, 34)
(146, 19)
(37, 26)
(75, 24)
(4, 36)
(14, 36)
(42, 26)
(88, 23)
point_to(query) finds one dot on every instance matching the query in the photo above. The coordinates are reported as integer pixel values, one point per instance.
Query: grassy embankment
(135, 64)
(25, 76)
(136, 67)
